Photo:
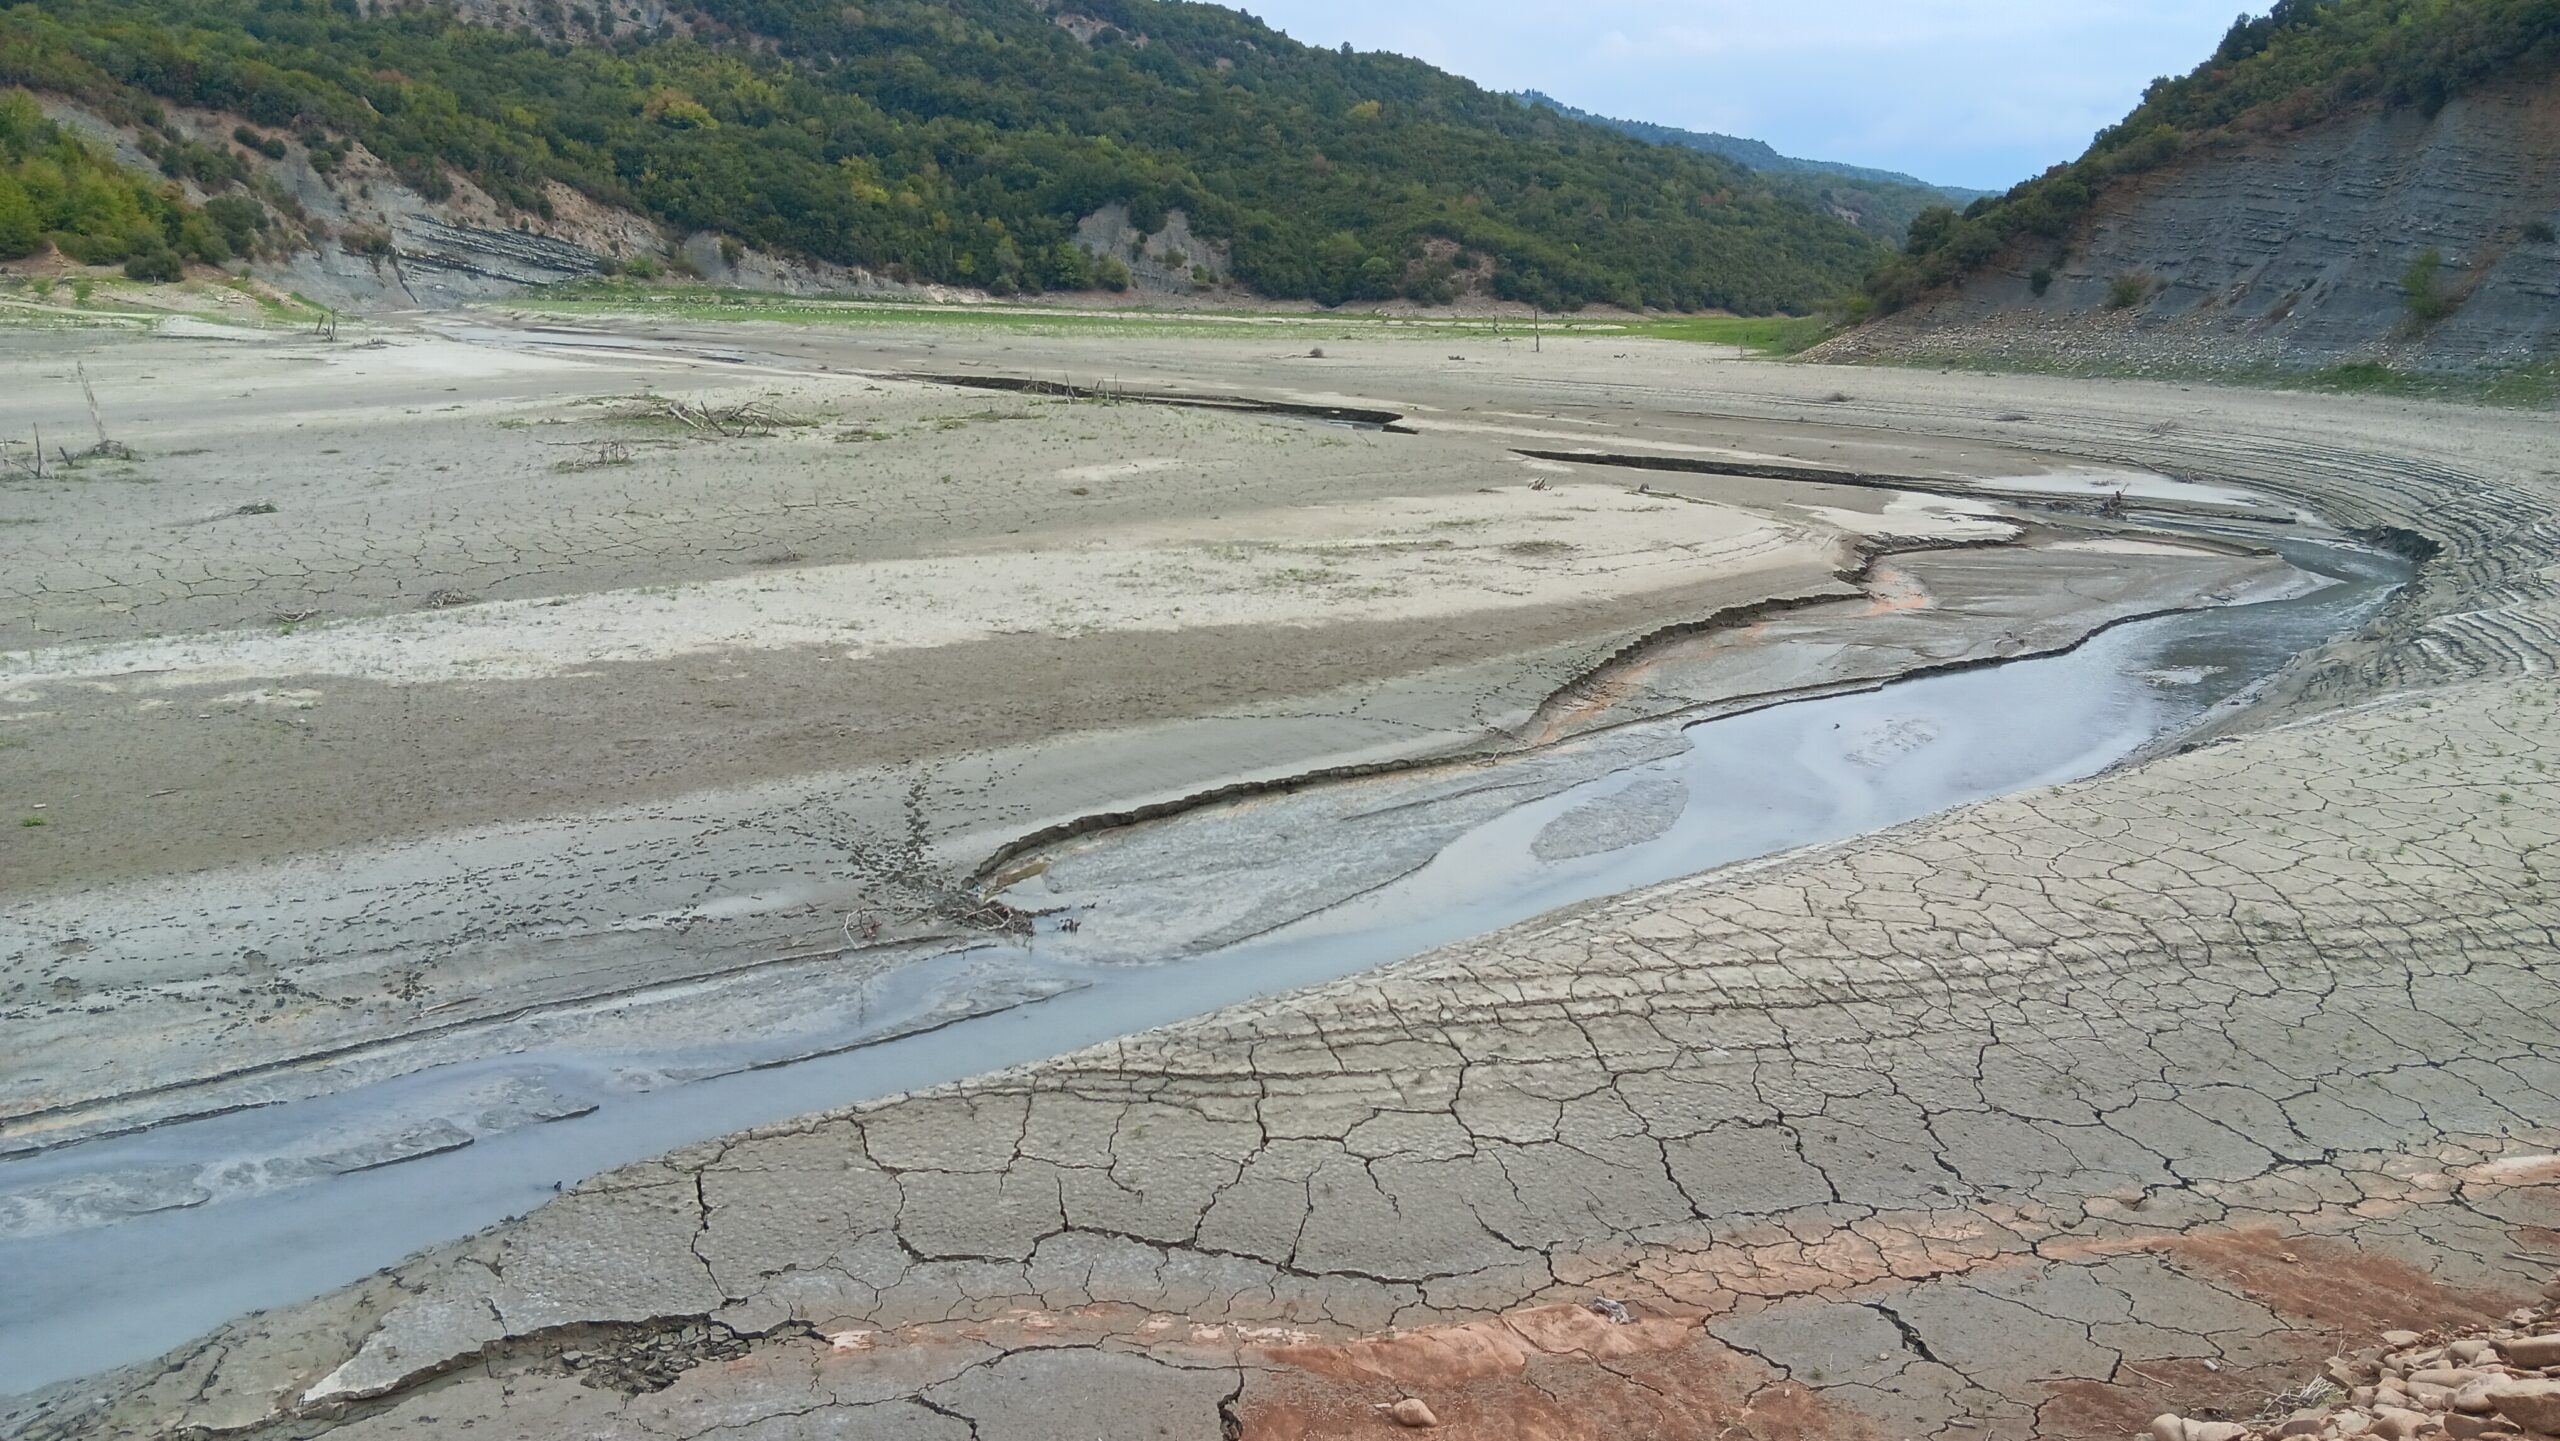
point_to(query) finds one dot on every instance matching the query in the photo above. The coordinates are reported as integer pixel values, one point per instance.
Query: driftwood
(730, 422)
(906, 886)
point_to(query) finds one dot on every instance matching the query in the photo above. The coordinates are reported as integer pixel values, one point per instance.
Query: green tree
(21, 233)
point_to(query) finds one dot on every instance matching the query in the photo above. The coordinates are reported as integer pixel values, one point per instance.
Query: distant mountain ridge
(1881, 202)
(1757, 155)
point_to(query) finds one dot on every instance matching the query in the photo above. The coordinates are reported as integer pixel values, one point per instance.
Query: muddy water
(129, 1246)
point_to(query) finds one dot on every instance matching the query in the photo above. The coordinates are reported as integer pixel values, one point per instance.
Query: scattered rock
(2473, 1400)
(2531, 1405)
(2179, 1428)
(2393, 1423)
(1410, 1412)
(2531, 1352)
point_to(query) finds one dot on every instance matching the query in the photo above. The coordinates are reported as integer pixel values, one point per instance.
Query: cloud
(1968, 92)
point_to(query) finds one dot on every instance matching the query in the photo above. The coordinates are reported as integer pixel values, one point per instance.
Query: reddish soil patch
(2099, 1411)
(2347, 1291)
(2344, 1293)
(1556, 1373)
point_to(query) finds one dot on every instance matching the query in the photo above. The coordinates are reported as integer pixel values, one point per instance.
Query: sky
(1980, 93)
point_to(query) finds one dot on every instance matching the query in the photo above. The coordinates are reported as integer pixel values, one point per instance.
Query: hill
(2344, 180)
(1881, 202)
(996, 144)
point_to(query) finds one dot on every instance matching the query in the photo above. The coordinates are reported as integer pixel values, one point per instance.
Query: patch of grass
(1304, 575)
(1769, 335)
(2532, 387)
(2366, 377)
(1537, 549)
(30, 822)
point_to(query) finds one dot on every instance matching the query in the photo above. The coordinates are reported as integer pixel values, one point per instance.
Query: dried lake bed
(480, 829)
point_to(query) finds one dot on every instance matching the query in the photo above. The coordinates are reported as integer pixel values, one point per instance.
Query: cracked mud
(2147, 1093)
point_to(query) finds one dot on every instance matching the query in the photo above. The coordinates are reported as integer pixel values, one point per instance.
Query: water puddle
(111, 1286)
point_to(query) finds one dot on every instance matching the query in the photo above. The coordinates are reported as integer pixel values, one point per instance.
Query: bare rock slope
(2289, 250)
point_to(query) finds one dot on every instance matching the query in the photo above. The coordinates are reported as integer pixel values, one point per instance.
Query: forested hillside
(1882, 203)
(2306, 62)
(960, 141)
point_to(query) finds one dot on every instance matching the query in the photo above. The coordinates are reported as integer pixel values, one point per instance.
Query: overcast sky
(1964, 92)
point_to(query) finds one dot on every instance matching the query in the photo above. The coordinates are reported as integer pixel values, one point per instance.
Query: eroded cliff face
(2290, 250)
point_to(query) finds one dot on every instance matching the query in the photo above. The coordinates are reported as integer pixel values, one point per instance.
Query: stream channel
(1793, 774)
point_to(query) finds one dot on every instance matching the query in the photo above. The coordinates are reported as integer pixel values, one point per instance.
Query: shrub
(365, 240)
(239, 219)
(2422, 291)
(2128, 291)
(2041, 281)
(270, 146)
(2540, 233)
(677, 110)
(157, 266)
(1111, 273)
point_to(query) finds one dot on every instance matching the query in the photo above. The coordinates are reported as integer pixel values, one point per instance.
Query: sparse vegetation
(2127, 291)
(2422, 290)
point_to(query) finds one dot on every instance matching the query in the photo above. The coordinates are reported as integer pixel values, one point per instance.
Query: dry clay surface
(439, 694)
(2045, 1117)
(2040, 1119)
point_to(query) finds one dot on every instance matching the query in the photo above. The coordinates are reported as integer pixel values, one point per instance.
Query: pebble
(2430, 1398)
(1410, 1412)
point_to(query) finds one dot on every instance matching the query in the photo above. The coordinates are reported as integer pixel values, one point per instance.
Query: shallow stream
(1790, 775)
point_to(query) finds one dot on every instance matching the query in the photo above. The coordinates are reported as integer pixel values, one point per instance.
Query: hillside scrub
(55, 188)
(2302, 63)
(960, 141)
